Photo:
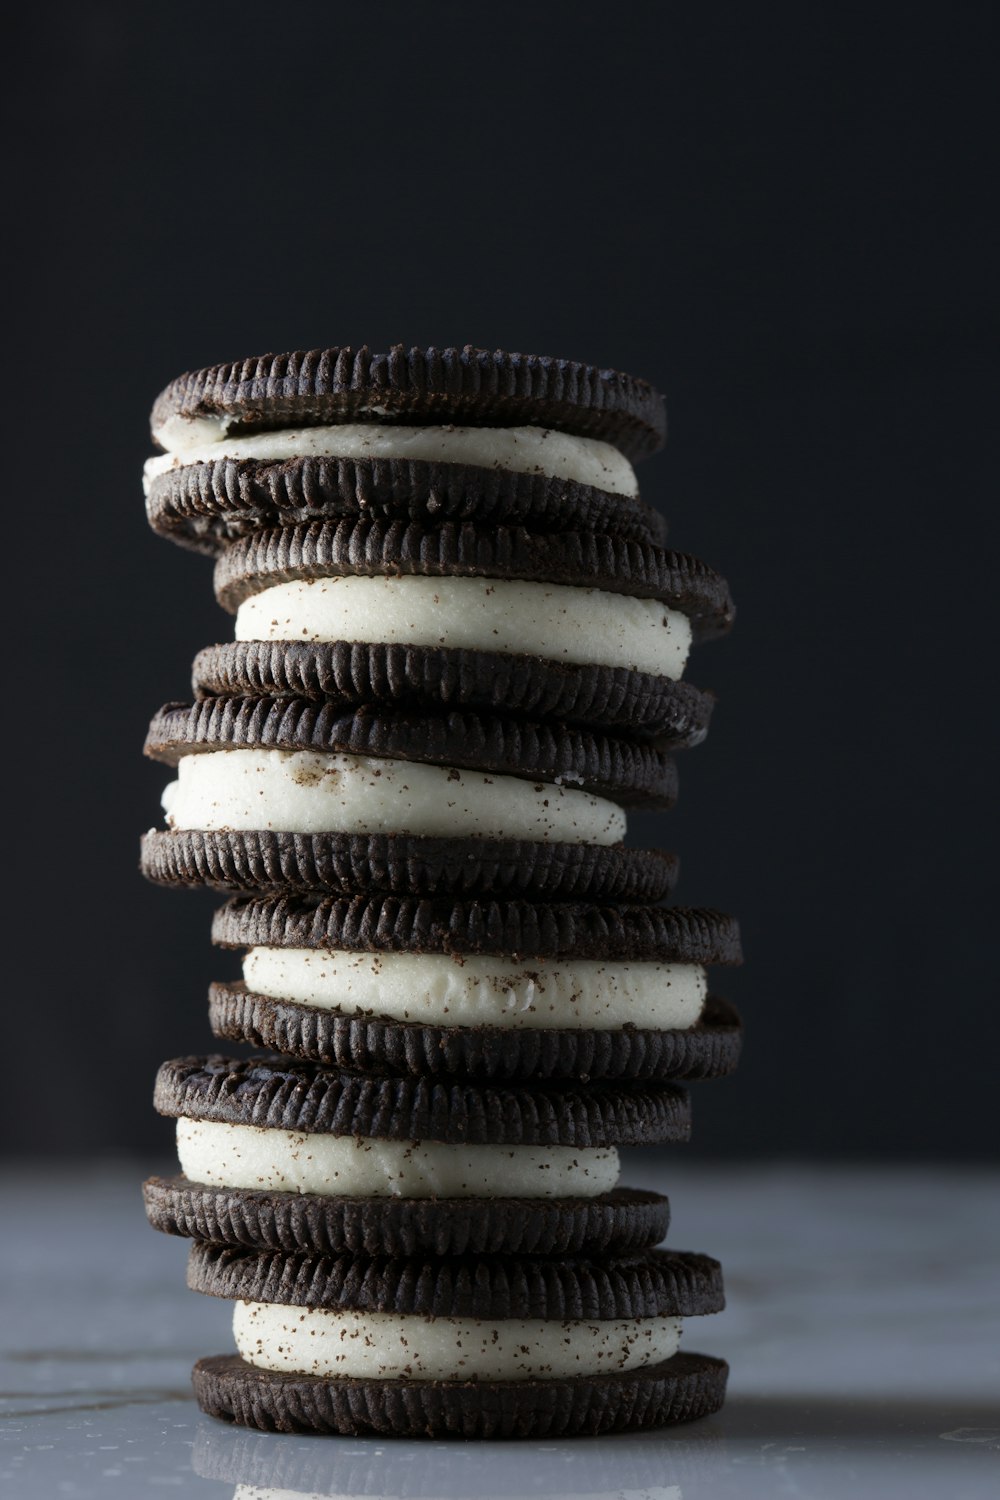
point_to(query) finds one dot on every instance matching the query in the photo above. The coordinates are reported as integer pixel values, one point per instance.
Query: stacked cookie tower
(458, 662)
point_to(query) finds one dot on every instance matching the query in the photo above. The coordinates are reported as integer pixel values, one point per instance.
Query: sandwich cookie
(288, 794)
(429, 988)
(287, 1154)
(591, 629)
(471, 1347)
(427, 435)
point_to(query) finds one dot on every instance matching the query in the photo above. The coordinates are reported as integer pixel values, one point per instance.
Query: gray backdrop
(779, 216)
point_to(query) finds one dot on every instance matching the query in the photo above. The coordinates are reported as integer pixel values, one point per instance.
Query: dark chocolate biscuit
(681, 1389)
(372, 1044)
(372, 548)
(631, 772)
(283, 1094)
(470, 386)
(620, 1221)
(402, 864)
(651, 1284)
(355, 672)
(208, 505)
(559, 930)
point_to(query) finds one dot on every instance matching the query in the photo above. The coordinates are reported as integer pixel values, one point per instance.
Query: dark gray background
(780, 215)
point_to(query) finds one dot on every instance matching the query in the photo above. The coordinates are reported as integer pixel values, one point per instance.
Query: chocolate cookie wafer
(385, 986)
(479, 386)
(680, 1389)
(619, 1220)
(483, 1347)
(294, 795)
(335, 1109)
(287, 1154)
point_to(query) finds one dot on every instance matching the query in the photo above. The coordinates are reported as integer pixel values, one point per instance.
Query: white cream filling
(303, 791)
(394, 1346)
(557, 621)
(288, 1161)
(440, 989)
(523, 450)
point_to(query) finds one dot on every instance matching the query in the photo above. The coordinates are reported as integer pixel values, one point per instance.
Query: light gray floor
(862, 1332)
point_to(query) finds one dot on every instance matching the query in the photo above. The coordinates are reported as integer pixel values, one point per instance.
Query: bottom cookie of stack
(460, 1347)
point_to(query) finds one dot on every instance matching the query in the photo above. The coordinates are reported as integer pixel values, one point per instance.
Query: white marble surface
(862, 1331)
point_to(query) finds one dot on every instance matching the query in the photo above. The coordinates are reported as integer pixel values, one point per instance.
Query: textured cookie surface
(577, 559)
(624, 1220)
(477, 387)
(283, 1094)
(605, 765)
(367, 1043)
(209, 504)
(394, 924)
(351, 863)
(492, 682)
(654, 1284)
(681, 1389)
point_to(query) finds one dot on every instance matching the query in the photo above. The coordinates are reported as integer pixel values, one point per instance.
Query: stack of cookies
(458, 665)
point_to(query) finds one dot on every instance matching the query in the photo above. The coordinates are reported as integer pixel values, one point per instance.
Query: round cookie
(440, 386)
(400, 864)
(486, 1305)
(709, 1049)
(619, 1221)
(650, 1284)
(285, 1113)
(682, 1389)
(395, 924)
(499, 1041)
(568, 627)
(469, 761)
(284, 1094)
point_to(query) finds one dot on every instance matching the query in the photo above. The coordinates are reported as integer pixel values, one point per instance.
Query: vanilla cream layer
(523, 450)
(557, 621)
(303, 791)
(394, 1346)
(442, 990)
(245, 1156)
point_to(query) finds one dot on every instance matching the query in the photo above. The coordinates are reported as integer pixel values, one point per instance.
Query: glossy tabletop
(862, 1331)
